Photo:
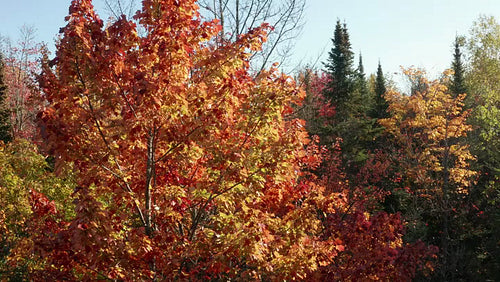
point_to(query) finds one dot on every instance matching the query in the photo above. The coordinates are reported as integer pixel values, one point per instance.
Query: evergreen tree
(339, 68)
(5, 132)
(361, 84)
(347, 91)
(361, 68)
(380, 107)
(458, 82)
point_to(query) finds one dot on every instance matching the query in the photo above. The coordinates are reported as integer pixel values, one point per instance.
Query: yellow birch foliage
(428, 126)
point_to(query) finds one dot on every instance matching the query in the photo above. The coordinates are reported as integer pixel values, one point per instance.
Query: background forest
(167, 143)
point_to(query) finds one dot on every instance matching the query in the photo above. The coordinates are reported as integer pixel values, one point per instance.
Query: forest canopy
(159, 146)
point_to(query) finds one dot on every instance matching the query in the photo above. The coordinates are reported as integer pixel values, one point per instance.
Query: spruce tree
(458, 82)
(361, 84)
(361, 68)
(5, 129)
(381, 105)
(348, 92)
(339, 68)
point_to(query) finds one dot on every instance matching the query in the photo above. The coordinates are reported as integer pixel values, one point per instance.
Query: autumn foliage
(21, 98)
(427, 126)
(373, 247)
(429, 129)
(190, 167)
(187, 166)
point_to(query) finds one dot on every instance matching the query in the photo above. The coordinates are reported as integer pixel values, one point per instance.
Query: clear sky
(398, 32)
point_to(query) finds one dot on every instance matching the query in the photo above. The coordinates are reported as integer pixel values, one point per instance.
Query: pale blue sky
(397, 32)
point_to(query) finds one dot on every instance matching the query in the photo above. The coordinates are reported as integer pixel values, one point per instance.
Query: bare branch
(116, 8)
(238, 16)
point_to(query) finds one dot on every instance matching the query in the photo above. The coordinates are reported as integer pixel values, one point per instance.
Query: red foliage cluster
(372, 241)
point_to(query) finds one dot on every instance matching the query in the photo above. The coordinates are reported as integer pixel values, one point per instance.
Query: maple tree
(187, 166)
(483, 79)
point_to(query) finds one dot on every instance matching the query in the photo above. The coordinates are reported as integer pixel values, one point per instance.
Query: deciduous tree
(22, 98)
(187, 166)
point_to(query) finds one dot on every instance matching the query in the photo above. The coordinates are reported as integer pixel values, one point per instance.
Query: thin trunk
(150, 184)
(150, 172)
(446, 179)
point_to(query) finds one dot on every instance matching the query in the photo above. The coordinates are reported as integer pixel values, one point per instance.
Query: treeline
(151, 148)
(437, 145)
